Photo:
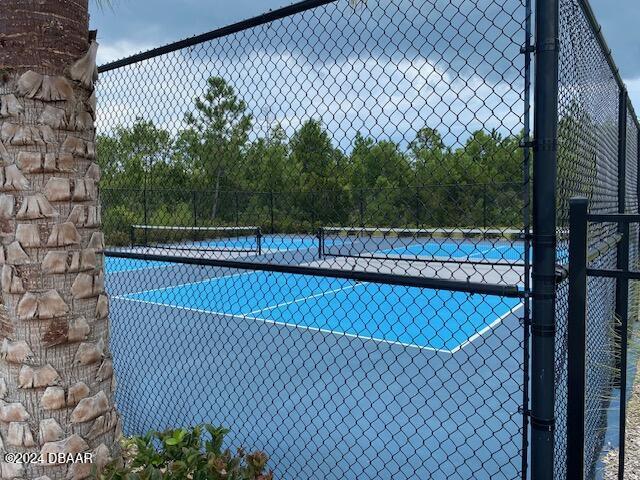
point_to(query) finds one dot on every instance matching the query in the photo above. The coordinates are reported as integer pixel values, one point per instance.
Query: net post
(545, 104)
(132, 235)
(361, 208)
(621, 306)
(576, 336)
(320, 235)
(259, 240)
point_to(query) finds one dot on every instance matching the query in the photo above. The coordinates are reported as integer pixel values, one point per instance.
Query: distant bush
(184, 454)
(116, 222)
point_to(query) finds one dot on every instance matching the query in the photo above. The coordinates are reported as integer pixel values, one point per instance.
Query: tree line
(217, 171)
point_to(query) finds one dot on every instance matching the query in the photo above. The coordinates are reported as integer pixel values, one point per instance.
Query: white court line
(304, 299)
(487, 328)
(211, 279)
(143, 268)
(191, 309)
(178, 307)
(488, 250)
(289, 325)
(326, 331)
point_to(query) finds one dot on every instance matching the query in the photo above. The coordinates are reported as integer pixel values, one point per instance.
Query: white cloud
(373, 95)
(110, 51)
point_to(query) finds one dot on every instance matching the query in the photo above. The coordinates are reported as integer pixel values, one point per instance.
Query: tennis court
(260, 349)
(409, 316)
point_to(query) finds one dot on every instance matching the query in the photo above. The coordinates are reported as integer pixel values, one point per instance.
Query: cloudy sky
(471, 96)
(129, 26)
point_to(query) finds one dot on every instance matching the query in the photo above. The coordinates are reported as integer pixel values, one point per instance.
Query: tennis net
(212, 239)
(459, 245)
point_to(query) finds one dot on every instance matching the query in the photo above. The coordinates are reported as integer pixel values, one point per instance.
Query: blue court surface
(409, 316)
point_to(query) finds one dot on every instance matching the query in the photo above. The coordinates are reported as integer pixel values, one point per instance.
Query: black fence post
(259, 240)
(195, 207)
(237, 208)
(623, 252)
(484, 205)
(622, 283)
(361, 208)
(320, 235)
(313, 210)
(271, 211)
(544, 240)
(417, 207)
(576, 336)
(145, 216)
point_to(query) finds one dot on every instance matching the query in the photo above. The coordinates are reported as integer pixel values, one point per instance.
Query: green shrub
(184, 454)
(117, 221)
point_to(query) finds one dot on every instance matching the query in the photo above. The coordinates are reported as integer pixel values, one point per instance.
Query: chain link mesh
(391, 131)
(588, 166)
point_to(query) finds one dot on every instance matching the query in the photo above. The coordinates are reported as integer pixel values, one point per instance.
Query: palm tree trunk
(56, 375)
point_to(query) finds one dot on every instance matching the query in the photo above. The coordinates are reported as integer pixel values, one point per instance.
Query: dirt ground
(632, 449)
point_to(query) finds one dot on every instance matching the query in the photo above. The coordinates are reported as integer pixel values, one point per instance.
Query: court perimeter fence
(366, 270)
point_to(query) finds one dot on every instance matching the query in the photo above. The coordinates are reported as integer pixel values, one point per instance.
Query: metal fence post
(623, 251)
(622, 283)
(145, 216)
(544, 240)
(237, 207)
(195, 208)
(484, 205)
(361, 208)
(576, 336)
(271, 210)
(417, 207)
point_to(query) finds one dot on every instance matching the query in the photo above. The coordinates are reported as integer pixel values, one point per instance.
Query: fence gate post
(544, 240)
(576, 336)
(623, 251)
(622, 283)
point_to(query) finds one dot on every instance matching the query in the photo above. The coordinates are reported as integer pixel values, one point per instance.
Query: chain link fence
(319, 234)
(594, 164)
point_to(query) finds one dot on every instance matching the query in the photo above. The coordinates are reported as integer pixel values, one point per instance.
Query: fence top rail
(267, 17)
(506, 232)
(187, 228)
(597, 30)
(359, 275)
